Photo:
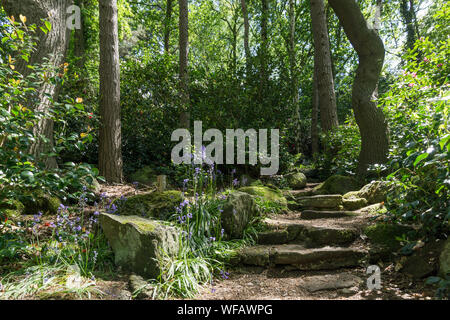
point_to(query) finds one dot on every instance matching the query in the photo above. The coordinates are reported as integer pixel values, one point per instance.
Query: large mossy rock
(444, 259)
(352, 201)
(374, 192)
(238, 211)
(266, 193)
(139, 244)
(145, 176)
(383, 238)
(423, 261)
(337, 184)
(11, 209)
(38, 201)
(295, 180)
(159, 205)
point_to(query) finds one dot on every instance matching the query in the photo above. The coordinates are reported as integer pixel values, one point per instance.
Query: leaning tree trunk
(322, 66)
(370, 119)
(110, 139)
(53, 46)
(184, 50)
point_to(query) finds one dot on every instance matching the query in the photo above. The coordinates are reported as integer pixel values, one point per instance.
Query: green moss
(386, 234)
(256, 183)
(155, 204)
(145, 176)
(267, 193)
(39, 201)
(337, 184)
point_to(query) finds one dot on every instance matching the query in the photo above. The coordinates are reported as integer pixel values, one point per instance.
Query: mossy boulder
(423, 261)
(332, 202)
(160, 205)
(337, 184)
(354, 203)
(140, 244)
(383, 238)
(374, 192)
(11, 209)
(271, 194)
(146, 176)
(238, 211)
(38, 201)
(444, 259)
(295, 180)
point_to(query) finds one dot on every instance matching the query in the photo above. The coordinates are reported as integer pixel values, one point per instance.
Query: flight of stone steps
(318, 234)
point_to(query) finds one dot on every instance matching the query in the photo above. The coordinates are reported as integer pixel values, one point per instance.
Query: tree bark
(370, 49)
(110, 139)
(246, 36)
(264, 43)
(407, 11)
(315, 118)
(322, 65)
(53, 46)
(80, 40)
(184, 51)
(167, 19)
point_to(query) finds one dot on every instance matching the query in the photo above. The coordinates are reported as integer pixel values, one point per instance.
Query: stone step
(310, 233)
(301, 258)
(321, 202)
(324, 214)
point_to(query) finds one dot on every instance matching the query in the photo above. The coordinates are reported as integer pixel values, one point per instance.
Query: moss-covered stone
(383, 238)
(145, 176)
(139, 244)
(238, 211)
(337, 184)
(11, 209)
(444, 259)
(354, 203)
(296, 180)
(158, 205)
(374, 192)
(271, 194)
(38, 201)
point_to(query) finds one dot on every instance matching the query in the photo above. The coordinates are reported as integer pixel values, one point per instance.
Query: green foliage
(418, 111)
(341, 148)
(19, 115)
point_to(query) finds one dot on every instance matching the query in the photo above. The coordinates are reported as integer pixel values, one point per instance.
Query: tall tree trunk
(293, 74)
(246, 37)
(53, 46)
(263, 48)
(184, 50)
(322, 66)
(110, 139)
(80, 40)
(315, 118)
(167, 19)
(408, 14)
(370, 49)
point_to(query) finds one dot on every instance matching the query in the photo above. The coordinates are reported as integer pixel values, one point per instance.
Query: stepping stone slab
(320, 201)
(330, 282)
(326, 258)
(316, 214)
(312, 234)
(139, 244)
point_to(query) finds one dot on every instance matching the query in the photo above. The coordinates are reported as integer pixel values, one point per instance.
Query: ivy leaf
(421, 157)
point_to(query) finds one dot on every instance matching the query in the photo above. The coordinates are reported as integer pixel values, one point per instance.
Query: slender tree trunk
(246, 37)
(184, 50)
(408, 16)
(293, 74)
(315, 118)
(110, 139)
(264, 43)
(53, 46)
(80, 40)
(167, 25)
(370, 49)
(322, 65)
